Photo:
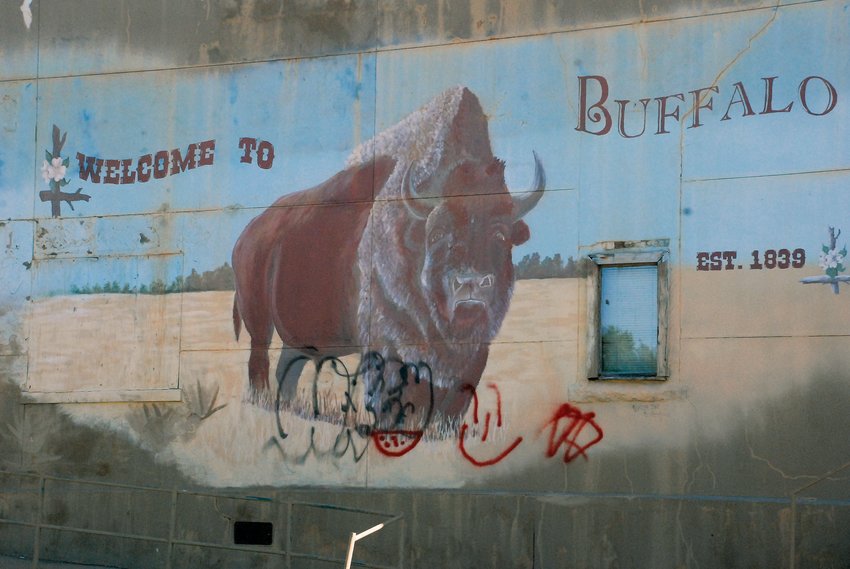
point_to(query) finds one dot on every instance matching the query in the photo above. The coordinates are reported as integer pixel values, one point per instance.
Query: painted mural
(432, 310)
(375, 269)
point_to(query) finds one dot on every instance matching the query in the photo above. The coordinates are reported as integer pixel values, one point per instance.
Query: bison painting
(405, 254)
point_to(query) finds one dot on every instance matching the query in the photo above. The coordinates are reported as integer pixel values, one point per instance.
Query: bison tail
(237, 319)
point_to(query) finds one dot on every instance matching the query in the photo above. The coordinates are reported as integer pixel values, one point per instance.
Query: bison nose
(472, 281)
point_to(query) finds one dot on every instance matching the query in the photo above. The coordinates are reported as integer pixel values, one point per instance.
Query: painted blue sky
(316, 111)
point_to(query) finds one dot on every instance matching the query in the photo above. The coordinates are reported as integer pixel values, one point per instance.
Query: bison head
(470, 228)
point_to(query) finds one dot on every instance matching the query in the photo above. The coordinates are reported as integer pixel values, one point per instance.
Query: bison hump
(449, 128)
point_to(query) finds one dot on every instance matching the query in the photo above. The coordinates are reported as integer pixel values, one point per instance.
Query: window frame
(626, 257)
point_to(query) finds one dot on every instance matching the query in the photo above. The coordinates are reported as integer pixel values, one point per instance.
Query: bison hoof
(261, 397)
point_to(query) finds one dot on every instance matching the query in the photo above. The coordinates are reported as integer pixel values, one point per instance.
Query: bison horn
(418, 206)
(525, 203)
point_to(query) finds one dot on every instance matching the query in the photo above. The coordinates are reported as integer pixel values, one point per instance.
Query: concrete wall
(711, 133)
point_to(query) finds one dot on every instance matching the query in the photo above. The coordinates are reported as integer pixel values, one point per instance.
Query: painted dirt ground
(219, 438)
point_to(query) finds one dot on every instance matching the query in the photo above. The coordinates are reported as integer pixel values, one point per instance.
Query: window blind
(629, 320)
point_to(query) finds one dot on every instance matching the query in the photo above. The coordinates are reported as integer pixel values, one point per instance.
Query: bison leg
(259, 325)
(258, 365)
(289, 368)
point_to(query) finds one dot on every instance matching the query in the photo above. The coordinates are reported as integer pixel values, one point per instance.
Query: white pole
(350, 550)
(353, 540)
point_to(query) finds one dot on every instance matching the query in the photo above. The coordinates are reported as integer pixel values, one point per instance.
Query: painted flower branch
(831, 260)
(53, 170)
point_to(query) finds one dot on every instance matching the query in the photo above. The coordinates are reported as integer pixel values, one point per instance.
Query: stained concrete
(108, 36)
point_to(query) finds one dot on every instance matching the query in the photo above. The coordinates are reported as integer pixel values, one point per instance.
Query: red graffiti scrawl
(567, 426)
(486, 431)
(396, 443)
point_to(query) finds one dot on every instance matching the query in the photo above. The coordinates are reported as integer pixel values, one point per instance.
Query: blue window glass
(629, 321)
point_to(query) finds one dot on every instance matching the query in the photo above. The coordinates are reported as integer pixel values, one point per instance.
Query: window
(627, 307)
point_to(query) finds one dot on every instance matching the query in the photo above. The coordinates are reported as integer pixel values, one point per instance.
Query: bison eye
(499, 236)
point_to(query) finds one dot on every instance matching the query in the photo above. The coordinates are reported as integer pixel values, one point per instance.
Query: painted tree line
(531, 266)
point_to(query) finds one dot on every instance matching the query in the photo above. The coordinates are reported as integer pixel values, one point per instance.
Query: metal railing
(284, 550)
(794, 498)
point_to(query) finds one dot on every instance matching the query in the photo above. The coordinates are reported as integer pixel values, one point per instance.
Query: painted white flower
(53, 170)
(830, 260)
(46, 171)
